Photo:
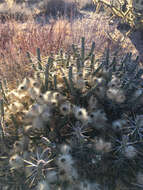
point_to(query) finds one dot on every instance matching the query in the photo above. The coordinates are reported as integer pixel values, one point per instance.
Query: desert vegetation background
(52, 25)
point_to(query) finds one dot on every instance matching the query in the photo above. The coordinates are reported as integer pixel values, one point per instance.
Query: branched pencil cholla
(40, 167)
(135, 127)
(59, 135)
(79, 130)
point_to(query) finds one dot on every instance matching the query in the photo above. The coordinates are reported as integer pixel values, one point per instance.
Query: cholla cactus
(81, 114)
(102, 146)
(129, 11)
(16, 162)
(43, 185)
(87, 118)
(67, 172)
(118, 125)
(39, 167)
(98, 119)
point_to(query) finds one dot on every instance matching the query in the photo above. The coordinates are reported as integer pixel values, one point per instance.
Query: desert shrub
(16, 12)
(23, 11)
(86, 4)
(58, 8)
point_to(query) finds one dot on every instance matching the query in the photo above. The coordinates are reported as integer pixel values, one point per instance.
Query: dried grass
(18, 38)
